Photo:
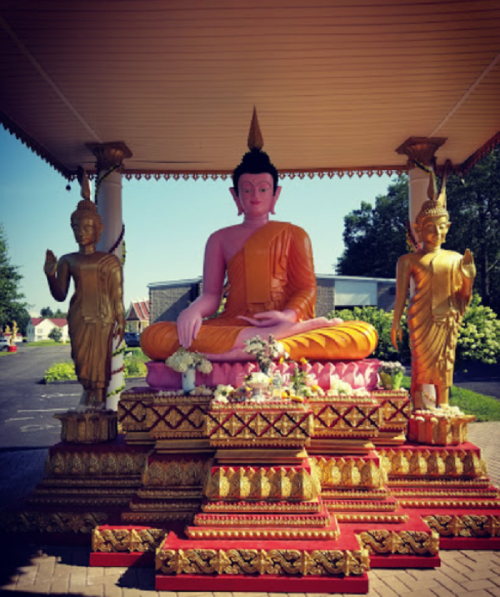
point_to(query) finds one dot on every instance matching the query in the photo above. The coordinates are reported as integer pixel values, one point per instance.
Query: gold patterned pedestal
(89, 427)
(84, 486)
(260, 487)
(172, 481)
(439, 427)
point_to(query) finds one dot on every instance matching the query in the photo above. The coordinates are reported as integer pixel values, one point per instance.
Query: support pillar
(108, 198)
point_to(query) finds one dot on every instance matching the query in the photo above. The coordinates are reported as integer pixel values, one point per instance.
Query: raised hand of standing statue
(50, 265)
(468, 266)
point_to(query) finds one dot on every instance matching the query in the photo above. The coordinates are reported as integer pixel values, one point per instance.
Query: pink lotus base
(359, 374)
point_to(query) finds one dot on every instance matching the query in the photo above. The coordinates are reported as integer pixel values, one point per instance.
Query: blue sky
(166, 222)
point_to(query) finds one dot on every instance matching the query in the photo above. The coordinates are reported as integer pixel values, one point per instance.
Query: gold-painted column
(108, 197)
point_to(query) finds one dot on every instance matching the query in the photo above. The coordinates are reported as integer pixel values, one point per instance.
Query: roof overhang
(338, 86)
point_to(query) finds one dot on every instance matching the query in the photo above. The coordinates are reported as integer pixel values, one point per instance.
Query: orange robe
(273, 271)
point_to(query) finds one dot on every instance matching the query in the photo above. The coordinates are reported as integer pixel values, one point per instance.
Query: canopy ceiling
(338, 84)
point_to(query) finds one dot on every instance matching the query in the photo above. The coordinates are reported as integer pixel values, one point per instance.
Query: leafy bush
(134, 367)
(60, 372)
(382, 321)
(55, 334)
(479, 335)
(133, 361)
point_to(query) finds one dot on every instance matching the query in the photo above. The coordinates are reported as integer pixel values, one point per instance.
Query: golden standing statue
(96, 309)
(443, 290)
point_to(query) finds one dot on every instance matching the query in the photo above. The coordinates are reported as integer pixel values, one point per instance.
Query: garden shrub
(60, 372)
(479, 335)
(382, 321)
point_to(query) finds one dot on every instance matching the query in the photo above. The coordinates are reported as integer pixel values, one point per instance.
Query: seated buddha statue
(270, 280)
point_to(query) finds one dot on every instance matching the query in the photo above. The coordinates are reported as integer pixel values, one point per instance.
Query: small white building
(39, 328)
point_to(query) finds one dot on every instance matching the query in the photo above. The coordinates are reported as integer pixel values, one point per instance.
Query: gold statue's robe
(434, 314)
(92, 316)
(273, 271)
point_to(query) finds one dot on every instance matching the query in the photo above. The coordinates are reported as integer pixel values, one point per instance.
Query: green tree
(375, 237)
(60, 314)
(46, 312)
(12, 306)
(55, 334)
(474, 206)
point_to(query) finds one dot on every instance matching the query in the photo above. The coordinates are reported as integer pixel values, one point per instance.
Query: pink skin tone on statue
(255, 200)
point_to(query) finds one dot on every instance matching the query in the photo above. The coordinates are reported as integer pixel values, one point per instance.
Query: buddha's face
(86, 231)
(433, 230)
(256, 196)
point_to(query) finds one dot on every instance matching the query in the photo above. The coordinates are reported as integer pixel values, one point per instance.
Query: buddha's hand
(467, 266)
(120, 327)
(188, 326)
(50, 265)
(396, 334)
(271, 318)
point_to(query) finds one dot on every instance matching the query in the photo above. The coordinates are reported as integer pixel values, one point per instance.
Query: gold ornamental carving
(283, 507)
(90, 427)
(246, 534)
(420, 149)
(203, 520)
(249, 427)
(340, 419)
(119, 540)
(254, 561)
(176, 421)
(400, 542)
(432, 463)
(247, 483)
(132, 411)
(51, 522)
(94, 464)
(464, 525)
(430, 429)
(347, 472)
(109, 154)
(175, 473)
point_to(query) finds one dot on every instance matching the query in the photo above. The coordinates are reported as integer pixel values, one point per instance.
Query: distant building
(137, 318)
(168, 299)
(39, 328)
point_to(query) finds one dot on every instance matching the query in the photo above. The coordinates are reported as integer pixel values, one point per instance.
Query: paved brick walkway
(34, 569)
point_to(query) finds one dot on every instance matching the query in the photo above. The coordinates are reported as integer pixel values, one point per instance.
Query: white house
(39, 328)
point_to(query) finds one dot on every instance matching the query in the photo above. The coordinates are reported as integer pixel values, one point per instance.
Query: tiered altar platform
(281, 494)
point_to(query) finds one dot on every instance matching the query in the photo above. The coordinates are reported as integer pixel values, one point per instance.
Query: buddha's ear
(418, 230)
(234, 195)
(275, 199)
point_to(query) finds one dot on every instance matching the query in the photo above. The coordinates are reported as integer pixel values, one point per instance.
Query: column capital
(109, 155)
(421, 149)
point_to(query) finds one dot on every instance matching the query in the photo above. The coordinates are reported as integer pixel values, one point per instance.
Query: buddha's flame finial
(435, 206)
(435, 194)
(84, 183)
(255, 140)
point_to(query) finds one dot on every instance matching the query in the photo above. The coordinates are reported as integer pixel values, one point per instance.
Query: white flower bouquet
(182, 360)
(223, 393)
